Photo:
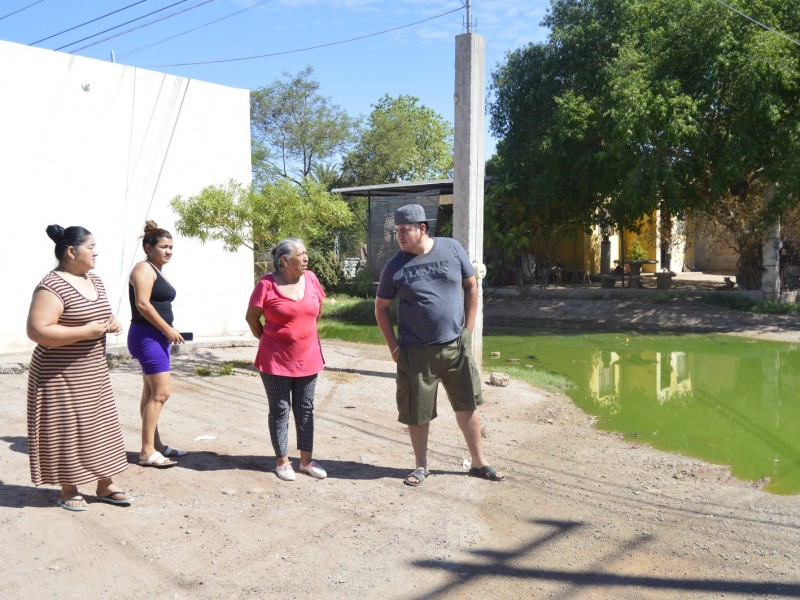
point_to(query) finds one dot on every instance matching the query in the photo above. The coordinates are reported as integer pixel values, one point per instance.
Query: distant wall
(705, 251)
(105, 146)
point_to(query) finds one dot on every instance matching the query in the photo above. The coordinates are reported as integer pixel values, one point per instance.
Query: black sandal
(486, 472)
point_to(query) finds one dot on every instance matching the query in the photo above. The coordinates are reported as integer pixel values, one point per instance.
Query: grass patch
(734, 301)
(332, 329)
(241, 363)
(226, 368)
(349, 309)
(770, 307)
(351, 319)
(738, 302)
(115, 360)
(545, 380)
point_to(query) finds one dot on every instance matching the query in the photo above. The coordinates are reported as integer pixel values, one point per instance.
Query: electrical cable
(175, 105)
(120, 25)
(86, 23)
(172, 37)
(759, 23)
(361, 37)
(19, 10)
(143, 25)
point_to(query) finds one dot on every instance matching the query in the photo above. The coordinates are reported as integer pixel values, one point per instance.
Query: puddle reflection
(723, 399)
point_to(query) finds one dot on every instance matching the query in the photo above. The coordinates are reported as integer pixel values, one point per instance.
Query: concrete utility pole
(469, 164)
(771, 253)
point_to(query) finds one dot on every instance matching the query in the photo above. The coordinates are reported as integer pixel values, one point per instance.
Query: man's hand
(383, 317)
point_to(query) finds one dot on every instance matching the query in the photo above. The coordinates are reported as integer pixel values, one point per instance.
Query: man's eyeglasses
(403, 230)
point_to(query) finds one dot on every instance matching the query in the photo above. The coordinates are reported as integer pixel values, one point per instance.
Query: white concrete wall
(105, 146)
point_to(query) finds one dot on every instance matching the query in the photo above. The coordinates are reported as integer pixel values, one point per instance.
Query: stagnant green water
(726, 400)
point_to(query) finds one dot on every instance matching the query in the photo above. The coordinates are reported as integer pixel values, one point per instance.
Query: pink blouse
(290, 344)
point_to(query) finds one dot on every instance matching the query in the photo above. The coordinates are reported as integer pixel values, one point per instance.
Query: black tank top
(161, 298)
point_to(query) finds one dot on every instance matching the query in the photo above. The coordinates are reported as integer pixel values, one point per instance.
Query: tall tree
(633, 105)
(403, 140)
(295, 128)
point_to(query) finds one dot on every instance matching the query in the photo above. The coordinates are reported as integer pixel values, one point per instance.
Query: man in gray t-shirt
(438, 301)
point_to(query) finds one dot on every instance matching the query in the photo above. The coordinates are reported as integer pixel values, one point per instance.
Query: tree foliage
(295, 128)
(635, 105)
(257, 218)
(402, 141)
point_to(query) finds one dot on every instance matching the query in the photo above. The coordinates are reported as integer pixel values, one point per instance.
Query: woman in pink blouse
(289, 353)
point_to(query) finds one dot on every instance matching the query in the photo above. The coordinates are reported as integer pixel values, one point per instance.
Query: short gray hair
(284, 248)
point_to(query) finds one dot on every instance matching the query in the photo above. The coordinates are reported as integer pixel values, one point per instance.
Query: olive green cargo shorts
(421, 368)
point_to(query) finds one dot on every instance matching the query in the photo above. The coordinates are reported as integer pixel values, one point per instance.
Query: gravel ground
(583, 514)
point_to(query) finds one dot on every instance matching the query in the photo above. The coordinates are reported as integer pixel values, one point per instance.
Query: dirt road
(584, 514)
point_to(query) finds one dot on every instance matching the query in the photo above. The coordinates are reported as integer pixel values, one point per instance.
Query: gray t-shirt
(430, 288)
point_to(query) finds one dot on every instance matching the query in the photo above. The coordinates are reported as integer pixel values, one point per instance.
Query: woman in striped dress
(74, 436)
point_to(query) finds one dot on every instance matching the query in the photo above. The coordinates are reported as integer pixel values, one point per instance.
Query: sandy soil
(584, 514)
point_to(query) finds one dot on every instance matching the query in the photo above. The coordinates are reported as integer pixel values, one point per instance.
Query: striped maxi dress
(74, 436)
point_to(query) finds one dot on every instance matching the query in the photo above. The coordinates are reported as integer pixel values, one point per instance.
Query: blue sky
(416, 60)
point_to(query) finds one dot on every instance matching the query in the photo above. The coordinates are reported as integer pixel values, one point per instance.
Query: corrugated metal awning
(444, 186)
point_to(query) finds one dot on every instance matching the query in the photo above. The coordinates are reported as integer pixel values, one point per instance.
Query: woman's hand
(96, 329)
(113, 325)
(174, 336)
(253, 318)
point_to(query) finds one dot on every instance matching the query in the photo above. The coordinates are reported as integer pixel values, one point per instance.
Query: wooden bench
(610, 281)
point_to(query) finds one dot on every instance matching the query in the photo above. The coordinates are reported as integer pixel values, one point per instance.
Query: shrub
(364, 286)
(637, 251)
(328, 269)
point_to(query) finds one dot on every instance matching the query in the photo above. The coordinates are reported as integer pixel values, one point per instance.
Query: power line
(361, 37)
(759, 23)
(121, 24)
(86, 23)
(142, 26)
(172, 37)
(19, 10)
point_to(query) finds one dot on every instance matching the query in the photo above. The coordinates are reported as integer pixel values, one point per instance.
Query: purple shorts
(150, 347)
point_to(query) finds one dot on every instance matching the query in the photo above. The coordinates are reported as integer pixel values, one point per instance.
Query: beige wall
(105, 146)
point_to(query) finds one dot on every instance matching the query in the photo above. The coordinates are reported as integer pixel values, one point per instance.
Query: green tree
(401, 141)
(634, 105)
(257, 218)
(294, 128)
(707, 113)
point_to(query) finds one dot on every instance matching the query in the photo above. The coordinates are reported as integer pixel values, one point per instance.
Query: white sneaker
(314, 469)
(285, 472)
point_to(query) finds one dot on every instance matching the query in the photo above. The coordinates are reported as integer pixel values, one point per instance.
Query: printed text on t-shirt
(426, 272)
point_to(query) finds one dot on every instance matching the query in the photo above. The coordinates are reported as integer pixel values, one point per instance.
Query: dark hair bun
(55, 232)
(150, 225)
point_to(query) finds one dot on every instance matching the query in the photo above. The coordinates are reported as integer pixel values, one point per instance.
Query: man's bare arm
(470, 285)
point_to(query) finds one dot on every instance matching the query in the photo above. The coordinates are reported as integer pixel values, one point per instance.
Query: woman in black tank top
(149, 339)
